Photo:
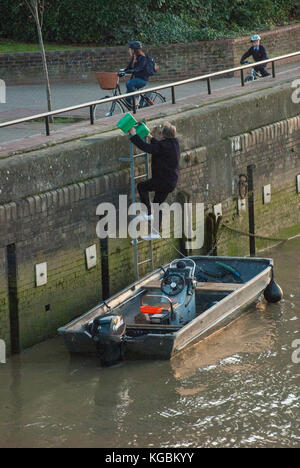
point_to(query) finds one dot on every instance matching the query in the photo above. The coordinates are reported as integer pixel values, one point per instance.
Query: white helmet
(255, 37)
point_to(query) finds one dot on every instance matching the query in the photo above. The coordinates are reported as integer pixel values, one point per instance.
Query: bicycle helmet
(255, 37)
(135, 45)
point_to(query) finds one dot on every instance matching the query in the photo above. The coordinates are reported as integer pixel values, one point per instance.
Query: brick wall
(275, 151)
(52, 218)
(176, 61)
(4, 307)
(55, 227)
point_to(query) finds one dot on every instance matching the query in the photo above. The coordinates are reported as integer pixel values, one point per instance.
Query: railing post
(209, 85)
(273, 69)
(47, 125)
(92, 115)
(242, 78)
(133, 105)
(173, 95)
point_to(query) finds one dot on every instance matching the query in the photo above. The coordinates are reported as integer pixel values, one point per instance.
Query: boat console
(172, 302)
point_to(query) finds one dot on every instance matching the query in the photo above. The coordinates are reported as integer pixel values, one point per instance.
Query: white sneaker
(144, 217)
(151, 236)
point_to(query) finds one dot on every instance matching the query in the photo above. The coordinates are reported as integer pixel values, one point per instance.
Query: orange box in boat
(151, 310)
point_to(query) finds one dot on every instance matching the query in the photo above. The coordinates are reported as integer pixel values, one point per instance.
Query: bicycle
(111, 82)
(253, 75)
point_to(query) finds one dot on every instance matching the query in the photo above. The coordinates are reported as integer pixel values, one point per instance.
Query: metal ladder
(133, 178)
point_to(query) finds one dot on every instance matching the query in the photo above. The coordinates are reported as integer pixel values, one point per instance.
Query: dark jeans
(161, 193)
(134, 85)
(262, 70)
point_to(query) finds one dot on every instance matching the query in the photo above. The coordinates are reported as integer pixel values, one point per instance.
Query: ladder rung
(145, 261)
(140, 176)
(140, 155)
(140, 241)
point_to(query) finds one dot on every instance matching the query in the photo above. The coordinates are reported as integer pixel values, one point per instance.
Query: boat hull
(158, 344)
(235, 304)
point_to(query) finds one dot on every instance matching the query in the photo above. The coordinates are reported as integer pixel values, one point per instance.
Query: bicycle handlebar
(122, 72)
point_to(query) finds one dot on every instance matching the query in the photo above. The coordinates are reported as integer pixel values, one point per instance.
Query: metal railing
(47, 115)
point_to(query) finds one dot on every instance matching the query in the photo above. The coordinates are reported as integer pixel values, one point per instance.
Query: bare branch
(36, 8)
(29, 4)
(41, 9)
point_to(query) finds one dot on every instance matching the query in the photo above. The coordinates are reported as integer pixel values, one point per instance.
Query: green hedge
(109, 22)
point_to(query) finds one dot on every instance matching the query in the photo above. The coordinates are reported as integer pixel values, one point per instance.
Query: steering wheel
(173, 284)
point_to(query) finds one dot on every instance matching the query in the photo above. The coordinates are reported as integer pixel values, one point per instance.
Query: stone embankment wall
(48, 200)
(176, 61)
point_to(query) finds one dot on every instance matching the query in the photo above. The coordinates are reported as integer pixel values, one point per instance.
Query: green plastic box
(126, 123)
(142, 130)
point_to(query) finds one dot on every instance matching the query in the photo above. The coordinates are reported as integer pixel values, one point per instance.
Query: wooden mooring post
(250, 170)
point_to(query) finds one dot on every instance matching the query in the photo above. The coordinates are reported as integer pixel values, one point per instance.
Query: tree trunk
(44, 60)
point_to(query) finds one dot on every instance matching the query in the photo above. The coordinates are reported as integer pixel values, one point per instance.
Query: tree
(37, 8)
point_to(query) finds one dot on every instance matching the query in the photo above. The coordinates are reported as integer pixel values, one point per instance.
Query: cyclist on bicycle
(258, 52)
(137, 67)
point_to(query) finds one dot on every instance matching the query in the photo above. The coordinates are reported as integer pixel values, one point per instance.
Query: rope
(236, 231)
(215, 245)
(182, 254)
(257, 236)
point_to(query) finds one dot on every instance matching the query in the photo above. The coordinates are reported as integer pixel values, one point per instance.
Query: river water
(238, 388)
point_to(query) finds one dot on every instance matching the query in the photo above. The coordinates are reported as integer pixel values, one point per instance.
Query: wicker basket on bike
(107, 80)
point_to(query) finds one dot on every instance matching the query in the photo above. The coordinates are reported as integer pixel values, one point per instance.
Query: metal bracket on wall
(267, 194)
(41, 274)
(242, 205)
(298, 183)
(218, 210)
(91, 256)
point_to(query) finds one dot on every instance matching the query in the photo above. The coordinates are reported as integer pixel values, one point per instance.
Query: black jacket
(257, 55)
(165, 159)
(138, 68)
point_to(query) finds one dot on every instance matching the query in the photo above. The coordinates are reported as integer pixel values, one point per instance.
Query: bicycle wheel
(108, 109)
(151, 98)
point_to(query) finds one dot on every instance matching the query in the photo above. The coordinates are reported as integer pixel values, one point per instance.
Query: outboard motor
(108, 333)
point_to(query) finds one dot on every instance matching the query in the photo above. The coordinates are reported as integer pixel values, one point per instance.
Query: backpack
(150, 66)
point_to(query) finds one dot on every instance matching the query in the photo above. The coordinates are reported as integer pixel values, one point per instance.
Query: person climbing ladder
(165, 171)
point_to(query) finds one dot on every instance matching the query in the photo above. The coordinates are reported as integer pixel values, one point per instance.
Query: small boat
(171, 308)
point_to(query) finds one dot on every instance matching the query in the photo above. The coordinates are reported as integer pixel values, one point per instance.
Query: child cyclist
(258, 52)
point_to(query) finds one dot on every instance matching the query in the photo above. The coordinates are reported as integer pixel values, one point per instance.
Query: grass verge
(11, 47)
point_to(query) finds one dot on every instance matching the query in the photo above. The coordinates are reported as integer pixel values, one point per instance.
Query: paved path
(26, 100)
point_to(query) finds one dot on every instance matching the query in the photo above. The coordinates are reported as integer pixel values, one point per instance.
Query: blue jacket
(139, 68)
